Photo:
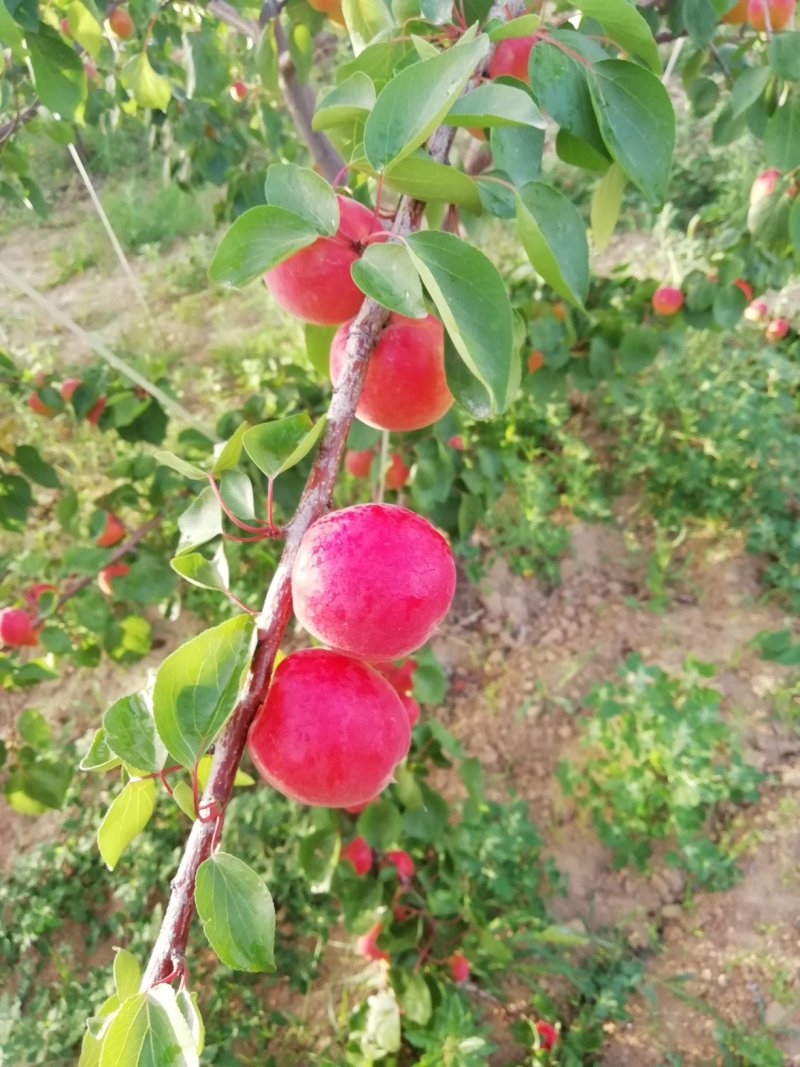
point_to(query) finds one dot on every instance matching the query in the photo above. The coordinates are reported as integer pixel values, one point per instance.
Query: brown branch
(170, 946)
(231, 17)
(8, 129)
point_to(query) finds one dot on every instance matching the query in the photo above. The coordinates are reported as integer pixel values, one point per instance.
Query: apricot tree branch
(170, 946)
(8, 129)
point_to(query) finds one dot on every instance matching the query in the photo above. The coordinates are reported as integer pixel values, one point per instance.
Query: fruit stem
(384, 465)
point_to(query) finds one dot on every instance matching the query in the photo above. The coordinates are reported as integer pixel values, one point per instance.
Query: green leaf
(205, 573)
(241, 778)
(748, 88)
(127, 974)
(149, 1030)
(517, 153)
(131, 733)
(385, 273)
(188, 470)
(258, 240)
(554, 237)
(40, 781)
(184, 797)
(637, 123)
(382, 1026)
(34, 467)
(58, 73)
(495, 104)
(33, 729)
(729, 305)
(638, 349)
(237, 912)
(303, 193)
(380, 824)
(410, 107)
(606, 206)
(365, 20)
(198, 685)
(625, 26)
(347, 103)
(228, 455)
(318, 347)
(783, 52)
(558, 72)
(236, 490)
(701, 20)
(274, 447)
(782, 138)
(200, 522)
(149, 88)
(85, 29)
(318, 855)
(778, 646)
(578, 153)
(128, 815)
(99, 757)
(423, 178)
(472, 302)
(415, 998)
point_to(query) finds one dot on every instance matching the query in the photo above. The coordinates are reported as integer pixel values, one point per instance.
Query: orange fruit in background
(120, 23)
(780, 11)
(737, 15)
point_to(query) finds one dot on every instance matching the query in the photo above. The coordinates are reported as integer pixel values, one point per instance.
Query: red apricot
(330, 732)
(548, 1035)
(16, 628)
(764, 185)
(511, 57)
(667, 301)
(400, 678)
(359, 854)
(780, 12)
(96, 411)
(459, 967)
(397, 473)
(757, 311)
(373, 580)
(535, 360)
(67, 388)
(64, 25)
(112, 533)
(746, 288)
(402, 863)
(315, 283)
(456, 442)
(737, 15)
(35, 403)
(777, 330)
(238, 91)
(120, 23)
(359, 464)
(405, 387)
(413, 709)
(34, 594)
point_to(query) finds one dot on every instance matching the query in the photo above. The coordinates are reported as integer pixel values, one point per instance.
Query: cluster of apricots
(66, 390)
(763, 15)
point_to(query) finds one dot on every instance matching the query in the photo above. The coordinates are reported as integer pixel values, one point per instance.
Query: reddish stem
(236, 521)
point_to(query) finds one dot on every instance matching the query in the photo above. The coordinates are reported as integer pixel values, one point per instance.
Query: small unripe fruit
(16, 628)
(397, 474)
(737, 15)
(402, 863)
(330, 732)
(359, 854)
(96, 411)
(777, 330)
(535, 360)
(745, 286)
(764, 185)
(35, 403)
(107, 574)
(413, 709)
(113, 532)
(238, 91)
(367, 946)
(780, 12)
(457, 442)
(511, 57)
(459, 967)
(757, 311)
(405, 388)
(315, 283)
(667, 301)
(373, 580)
(120, 23)
(67, 388)
(359, 464)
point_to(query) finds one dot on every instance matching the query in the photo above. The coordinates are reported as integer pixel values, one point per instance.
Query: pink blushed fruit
(780, 13)
(68, 387)
(746, 288)
(400, 677)
(511, 57)
(459, 967)
(764, 185)
(405, 388)
(373, 580)
(107, 574)
(366, 945)
(359, 854)
(238, 92)
(402, 863)
(17, 629)
(757, 311)
(330, 732)
(359, 464)
(315, 283)
(777, 330)
(667, 301)
(37, 405)
(112, 533)
(93, 416)
(548, 1035)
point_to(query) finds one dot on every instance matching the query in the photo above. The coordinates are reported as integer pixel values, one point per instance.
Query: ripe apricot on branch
(511, 57)
(367, 946)
(402, 863)
(120, 23)
(737, 15)
(37, 405)
(359, 854)
(777, 330)
(330, 732)
(112, 533)
(107, 574)
(780, 12)
(16, 628)
(764, 185)
(373, 580)
(238, 91)
(315, 284)
(667, 301)
(405, 387)
(397, 473)
(359, 464)
(459, 967)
